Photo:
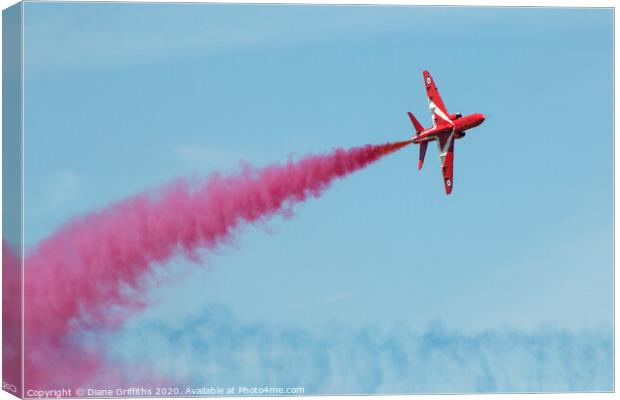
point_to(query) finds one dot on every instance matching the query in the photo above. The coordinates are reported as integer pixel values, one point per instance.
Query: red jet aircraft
(446, 128)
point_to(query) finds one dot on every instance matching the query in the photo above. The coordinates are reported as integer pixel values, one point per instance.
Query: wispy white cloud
(215, 348)
(60, 189)
(201, 157)
(320, 301)
(64, 38)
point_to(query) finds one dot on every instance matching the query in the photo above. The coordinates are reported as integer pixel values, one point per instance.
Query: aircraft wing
(446, 156)
(435, 103)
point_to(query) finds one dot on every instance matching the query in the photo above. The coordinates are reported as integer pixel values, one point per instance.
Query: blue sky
(120, 98)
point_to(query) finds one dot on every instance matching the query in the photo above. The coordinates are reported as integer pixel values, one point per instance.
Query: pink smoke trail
(11, 319)
(82, 272)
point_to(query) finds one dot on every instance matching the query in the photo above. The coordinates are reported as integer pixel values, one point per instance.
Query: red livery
(446, 128)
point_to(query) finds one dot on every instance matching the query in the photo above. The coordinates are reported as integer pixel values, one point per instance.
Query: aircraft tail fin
(423, 147)
(418, 127)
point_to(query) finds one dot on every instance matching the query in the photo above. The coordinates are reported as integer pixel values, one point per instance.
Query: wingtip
(420, 163)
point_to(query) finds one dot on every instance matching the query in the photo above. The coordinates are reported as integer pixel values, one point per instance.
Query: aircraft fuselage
(459, 126)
